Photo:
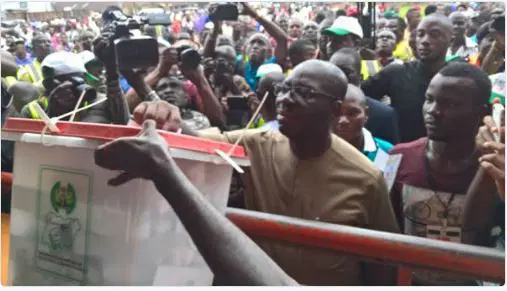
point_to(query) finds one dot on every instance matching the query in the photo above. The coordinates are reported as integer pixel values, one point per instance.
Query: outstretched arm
(211, 40)
(233, 257)
(281, 49)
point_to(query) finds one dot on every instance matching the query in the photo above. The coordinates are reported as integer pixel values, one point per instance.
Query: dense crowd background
(421, 86)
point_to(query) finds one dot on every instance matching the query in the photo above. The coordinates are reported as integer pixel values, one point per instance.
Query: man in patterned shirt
(462, 46)
(171, 89)
(436, 171)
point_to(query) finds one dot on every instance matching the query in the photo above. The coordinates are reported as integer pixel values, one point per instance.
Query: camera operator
(64, 81)
(220, 71)
(169, 58)
(493, 58)
(259, 48)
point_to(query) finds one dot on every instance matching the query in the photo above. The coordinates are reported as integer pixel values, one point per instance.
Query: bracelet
(152, 96)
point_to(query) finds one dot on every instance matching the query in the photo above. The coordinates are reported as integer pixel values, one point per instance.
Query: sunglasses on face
(302, 91)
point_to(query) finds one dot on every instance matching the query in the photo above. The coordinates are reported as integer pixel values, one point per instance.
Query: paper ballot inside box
(69, 228)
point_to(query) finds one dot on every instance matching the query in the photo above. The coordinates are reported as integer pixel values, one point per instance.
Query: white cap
(64, 63)
(209, 25)
(87, 56)
(268, 68)
(344, 25)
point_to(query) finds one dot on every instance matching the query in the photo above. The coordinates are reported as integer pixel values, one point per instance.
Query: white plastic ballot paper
(68, 227)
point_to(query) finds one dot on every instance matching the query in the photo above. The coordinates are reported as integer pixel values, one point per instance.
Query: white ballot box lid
(90, 135)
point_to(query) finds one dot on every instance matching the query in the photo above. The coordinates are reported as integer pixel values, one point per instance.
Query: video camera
(224, 11)
(133, 50)
(189, 57)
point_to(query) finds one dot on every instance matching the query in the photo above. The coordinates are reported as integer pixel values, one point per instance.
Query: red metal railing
(406, 251)
(6, 182)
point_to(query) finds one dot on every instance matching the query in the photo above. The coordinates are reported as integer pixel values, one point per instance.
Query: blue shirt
(474, 38)
(21, 62)
(250, 72)
(124, 85)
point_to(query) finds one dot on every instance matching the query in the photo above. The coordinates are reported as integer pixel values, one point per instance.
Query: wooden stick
(74, 112)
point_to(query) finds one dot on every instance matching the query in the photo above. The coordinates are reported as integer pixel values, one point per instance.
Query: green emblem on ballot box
(63, 222)
(62, 229)
(63, 198)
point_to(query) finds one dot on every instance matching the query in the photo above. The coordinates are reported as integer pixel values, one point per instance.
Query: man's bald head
(295, 27)
(322, 76)
(224, 40)
(267, 84)
(459, 24)
(310, 100)
(439, 19)
(356, 95)
(295, 20)
(349, 61)
(269, 80)
(434, 36)
(227, 52)
(456, 14)
(258, 48)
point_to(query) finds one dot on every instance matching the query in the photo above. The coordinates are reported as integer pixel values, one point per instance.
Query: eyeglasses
(302, 91)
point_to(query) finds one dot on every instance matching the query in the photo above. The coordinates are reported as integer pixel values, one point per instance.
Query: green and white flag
(498, 89)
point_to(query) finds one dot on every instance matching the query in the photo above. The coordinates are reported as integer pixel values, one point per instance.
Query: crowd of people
(337, 108)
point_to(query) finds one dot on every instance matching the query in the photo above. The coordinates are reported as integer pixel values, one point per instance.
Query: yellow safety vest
(158, 30)
(9, 81)
(259, 122)
(403, 51)
(43, 102)
(31, 73)
(369, 68)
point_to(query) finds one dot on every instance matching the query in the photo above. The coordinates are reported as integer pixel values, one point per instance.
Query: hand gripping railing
(406, 251)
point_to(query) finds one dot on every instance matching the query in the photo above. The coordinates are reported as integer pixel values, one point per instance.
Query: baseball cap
(345, 25)
(62, 63)
(87, 56)
(268, 68)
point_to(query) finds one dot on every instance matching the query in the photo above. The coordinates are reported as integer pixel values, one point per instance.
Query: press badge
(443, 233)
(391, 169)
